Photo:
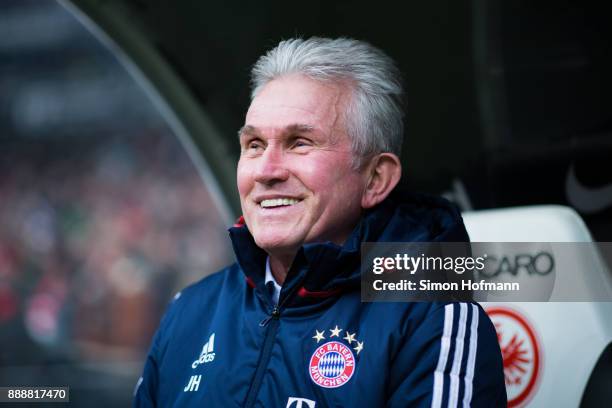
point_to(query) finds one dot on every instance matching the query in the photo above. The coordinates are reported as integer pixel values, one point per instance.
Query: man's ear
(383, 172)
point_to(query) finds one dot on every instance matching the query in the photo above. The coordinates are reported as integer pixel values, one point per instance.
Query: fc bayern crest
(521, 353)
(332, 365)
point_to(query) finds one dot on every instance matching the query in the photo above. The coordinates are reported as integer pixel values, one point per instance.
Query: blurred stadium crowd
(103, 216)
(95, 237)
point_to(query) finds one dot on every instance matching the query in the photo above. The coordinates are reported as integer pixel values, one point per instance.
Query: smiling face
(295, 175)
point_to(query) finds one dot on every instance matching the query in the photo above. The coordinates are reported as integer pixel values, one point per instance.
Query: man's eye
(254, 145)
(300, 143)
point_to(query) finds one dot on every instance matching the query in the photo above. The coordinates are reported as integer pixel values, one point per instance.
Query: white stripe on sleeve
(438, 388)
(469, 371)
(453, 397)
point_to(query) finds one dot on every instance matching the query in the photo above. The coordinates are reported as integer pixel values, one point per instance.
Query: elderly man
(285, 326)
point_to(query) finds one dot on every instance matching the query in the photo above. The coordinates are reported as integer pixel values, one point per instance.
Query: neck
(279, 265)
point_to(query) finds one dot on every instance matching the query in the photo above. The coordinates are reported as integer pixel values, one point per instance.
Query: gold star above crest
(319, 336)
(359, 347)
(335, 332)
(349, 337)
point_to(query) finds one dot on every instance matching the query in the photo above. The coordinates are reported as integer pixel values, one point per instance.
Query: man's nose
(272, 166)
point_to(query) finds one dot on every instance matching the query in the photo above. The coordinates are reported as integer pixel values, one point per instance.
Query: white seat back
(550, 348)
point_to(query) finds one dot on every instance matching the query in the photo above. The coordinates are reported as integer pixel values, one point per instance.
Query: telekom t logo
(299, 401)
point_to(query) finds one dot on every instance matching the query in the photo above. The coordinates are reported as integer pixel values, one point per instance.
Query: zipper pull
(275, 314)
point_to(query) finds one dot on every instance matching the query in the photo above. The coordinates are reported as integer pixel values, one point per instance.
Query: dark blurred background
(117, 147)
(508, 102)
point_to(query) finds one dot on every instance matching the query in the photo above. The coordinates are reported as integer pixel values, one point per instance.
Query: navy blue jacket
(223, 343)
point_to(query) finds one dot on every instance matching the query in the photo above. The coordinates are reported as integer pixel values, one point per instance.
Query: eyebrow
(295, 128)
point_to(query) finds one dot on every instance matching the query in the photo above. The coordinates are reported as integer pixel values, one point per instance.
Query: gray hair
(374, 116)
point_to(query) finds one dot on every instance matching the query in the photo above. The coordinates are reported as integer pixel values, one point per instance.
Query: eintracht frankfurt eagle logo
(521, 352)
(332, 365)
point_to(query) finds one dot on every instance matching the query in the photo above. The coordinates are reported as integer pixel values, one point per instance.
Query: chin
(275, 242)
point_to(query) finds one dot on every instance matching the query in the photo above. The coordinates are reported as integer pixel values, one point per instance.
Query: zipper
(274, 314)
(272, 322)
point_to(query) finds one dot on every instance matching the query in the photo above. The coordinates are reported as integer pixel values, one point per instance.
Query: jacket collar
(323, 270)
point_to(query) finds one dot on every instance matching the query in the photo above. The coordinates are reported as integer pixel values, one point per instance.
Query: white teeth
(276, 202)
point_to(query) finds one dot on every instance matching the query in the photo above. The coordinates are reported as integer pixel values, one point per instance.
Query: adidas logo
(207, 354)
